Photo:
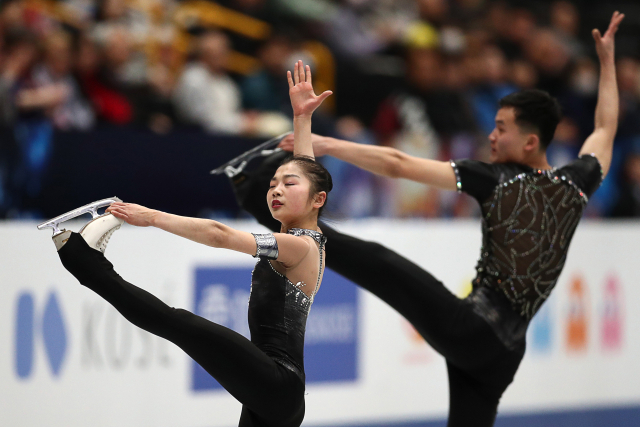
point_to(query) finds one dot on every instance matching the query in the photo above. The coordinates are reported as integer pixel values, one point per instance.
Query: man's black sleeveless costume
(265, 374)
(528, 219)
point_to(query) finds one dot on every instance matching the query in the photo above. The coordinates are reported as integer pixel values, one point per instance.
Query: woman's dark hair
(536, 110)
(316, 173)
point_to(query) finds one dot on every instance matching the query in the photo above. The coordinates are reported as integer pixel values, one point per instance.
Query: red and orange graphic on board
(577, 316)
(612, 316)
(419, 352)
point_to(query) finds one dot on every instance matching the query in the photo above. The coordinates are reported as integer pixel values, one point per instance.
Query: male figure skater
(529, 214)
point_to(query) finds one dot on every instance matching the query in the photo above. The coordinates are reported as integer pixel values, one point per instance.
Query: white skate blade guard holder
(91, 208)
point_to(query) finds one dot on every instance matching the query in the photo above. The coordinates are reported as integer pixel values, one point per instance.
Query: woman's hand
(303, 100)
(605, 43)
(132, 214)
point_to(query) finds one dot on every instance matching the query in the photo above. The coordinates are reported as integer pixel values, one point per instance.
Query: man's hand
(132, 214)
(320, 144)
(605, 44)
(303, 100)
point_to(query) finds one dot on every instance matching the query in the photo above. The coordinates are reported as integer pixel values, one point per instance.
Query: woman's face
(289, 194)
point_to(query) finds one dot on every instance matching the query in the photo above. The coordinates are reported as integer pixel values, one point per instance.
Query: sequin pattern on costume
(527, 226)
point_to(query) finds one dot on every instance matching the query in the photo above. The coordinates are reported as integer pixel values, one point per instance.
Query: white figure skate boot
(96, 232)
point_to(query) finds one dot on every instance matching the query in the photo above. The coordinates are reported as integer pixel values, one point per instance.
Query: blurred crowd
(424, 76)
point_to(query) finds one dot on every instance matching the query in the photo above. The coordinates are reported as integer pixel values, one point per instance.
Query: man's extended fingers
(118, 213)
(308, 74)
(615, 22)
(286, 144)
(596, 35)
(296, 75)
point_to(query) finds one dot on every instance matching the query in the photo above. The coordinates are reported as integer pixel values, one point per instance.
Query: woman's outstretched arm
(208, 232)
(205, 231)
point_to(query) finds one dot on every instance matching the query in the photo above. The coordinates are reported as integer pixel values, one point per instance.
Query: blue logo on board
(222, 295)
(51, 327)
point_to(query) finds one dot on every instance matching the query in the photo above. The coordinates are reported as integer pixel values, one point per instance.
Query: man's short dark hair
(535, 110)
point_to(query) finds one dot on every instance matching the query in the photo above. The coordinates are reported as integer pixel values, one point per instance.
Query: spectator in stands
(418, 119)
(206, 95)
(17, 55)
(12, 15)
(552, 59)
(265, 89)
(628, 201)
(566, 143)
(512, 26)
(125, 65)
(162, 77)
(358, 29)
(565, 21)
(490, 86)
(70, 110)
(522, 74)
(629, 86)
(32, 127)
(108, 100)
(620, 195)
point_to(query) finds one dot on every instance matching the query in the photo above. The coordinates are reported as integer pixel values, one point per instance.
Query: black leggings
(480, 367)
(271, 394)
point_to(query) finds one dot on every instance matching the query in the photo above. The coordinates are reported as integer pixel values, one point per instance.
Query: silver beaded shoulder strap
(318, 237)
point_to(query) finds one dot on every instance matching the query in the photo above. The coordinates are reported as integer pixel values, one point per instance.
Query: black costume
(529, 217)
(265, 374)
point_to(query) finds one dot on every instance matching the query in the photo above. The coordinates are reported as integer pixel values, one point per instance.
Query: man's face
(507, 138)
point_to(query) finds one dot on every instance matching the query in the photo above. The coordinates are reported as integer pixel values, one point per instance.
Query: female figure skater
(265, 374)
(530, 212)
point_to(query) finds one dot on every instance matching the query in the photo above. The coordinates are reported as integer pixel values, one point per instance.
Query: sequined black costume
(528, 220)
(265, 374)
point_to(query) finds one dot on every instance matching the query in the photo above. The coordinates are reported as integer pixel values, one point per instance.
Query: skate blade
(236, 165)
(91, 208)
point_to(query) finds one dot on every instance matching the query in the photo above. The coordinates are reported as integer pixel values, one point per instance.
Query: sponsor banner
(68, 358)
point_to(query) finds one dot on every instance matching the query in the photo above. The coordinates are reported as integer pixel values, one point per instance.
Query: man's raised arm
(600, 142)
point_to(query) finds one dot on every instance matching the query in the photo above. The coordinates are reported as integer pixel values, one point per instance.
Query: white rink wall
(68, 358)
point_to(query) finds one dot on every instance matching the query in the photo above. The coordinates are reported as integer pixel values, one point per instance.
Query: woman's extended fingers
(301, 74)
(324, 95)
(289, 79)
(308, 74)
(301, 70)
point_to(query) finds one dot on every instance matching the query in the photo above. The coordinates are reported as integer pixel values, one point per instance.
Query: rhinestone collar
(315, 235)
